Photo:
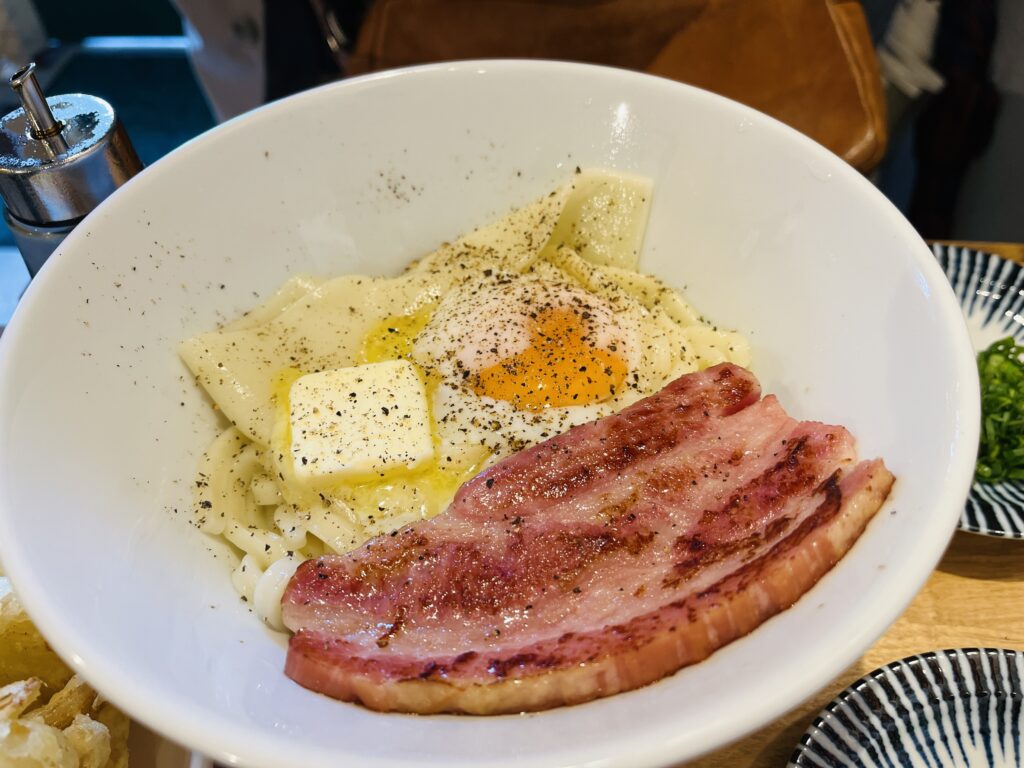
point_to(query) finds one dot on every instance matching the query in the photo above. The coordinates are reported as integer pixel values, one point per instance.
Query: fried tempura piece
(64, 706)
(117, 723)
(51, 718)
(23, 651)
(16, 697)
(91, 740)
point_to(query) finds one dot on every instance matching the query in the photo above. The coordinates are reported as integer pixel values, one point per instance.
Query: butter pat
(358, 422)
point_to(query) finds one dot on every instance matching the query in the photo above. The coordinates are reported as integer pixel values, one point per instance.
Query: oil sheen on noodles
(519, 330)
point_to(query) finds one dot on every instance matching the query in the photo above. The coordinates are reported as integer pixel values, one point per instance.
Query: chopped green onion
(1001, 451)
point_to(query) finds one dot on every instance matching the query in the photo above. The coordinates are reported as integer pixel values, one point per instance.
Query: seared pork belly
(596, 562)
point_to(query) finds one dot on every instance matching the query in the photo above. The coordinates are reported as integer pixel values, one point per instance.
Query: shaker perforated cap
(60, 156)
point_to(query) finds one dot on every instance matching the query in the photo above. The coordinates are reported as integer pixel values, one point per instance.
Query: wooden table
(974, 598)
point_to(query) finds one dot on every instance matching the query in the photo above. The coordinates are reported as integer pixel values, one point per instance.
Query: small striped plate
(961, 708)
(991, 292)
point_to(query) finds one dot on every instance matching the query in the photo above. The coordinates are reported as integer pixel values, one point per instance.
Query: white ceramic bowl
(851, 321)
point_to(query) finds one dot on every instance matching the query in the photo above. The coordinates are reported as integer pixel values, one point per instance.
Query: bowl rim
(926, 700)
(234, 744)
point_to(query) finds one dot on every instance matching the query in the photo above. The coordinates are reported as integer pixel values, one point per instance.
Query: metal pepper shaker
(59, 158)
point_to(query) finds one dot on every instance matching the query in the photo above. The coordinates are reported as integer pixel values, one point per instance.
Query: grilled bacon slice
(599, 561)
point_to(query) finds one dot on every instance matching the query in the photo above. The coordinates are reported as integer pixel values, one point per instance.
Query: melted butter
(401, 497)
(560, 367)
(392, 338)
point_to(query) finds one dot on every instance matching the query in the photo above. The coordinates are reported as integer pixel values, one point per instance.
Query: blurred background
(925, 97)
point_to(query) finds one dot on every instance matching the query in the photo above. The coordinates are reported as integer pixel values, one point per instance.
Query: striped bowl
(991, 292)
(958, 708)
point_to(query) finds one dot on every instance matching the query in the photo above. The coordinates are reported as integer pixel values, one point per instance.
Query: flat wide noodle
(313, 325)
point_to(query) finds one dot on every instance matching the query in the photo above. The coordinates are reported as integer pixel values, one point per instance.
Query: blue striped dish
(959, 708)
(991, 292)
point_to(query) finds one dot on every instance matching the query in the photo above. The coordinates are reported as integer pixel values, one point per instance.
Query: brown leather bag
(810, 63)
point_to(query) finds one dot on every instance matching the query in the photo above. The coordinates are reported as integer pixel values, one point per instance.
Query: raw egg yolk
(560, 367)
